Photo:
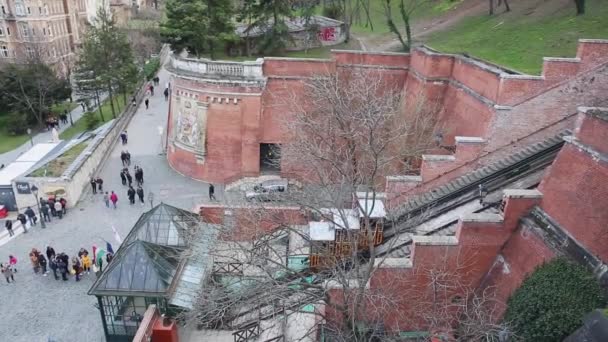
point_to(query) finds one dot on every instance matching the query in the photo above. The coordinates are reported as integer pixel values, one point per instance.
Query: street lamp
(29, 132)
(34, 189)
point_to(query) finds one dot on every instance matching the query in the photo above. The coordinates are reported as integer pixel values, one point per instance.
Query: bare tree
(405, 11)
(499, 2)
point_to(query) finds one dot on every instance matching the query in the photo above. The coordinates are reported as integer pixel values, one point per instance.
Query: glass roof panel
(163, 225)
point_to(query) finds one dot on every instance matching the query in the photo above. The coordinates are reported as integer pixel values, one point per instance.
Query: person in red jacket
(114, 199)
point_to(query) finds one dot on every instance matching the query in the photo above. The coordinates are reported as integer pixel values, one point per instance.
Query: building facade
(46, 30)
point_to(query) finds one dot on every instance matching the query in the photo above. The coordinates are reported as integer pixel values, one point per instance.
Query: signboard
(23, 187)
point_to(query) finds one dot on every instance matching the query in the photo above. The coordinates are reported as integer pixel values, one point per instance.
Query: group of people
(127, 179)
(96, 184)
(150, 91)
(51, 207)
(59, 264)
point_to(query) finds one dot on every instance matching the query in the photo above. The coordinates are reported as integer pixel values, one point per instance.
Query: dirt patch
(57, 166)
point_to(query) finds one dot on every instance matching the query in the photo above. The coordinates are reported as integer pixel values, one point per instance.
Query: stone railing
(246, 69)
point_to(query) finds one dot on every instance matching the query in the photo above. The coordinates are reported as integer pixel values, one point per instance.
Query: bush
(151, 68)
(332, 11)
(91, 120)
(16, 123)
(551, 303)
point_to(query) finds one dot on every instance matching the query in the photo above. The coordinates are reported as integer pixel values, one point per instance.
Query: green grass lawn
(377, 14)
(8, 141)
(520, 43)
(80, 125)
(57, 166)
(60, 107)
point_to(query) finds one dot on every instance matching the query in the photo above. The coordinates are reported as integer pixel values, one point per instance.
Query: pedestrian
(62, 266)
(123, 158)
(58, 209)
(31, 215)
(124, 137)
(82, 105)
(45, 212)
(64, 205)
(42, 263)
(109, 257)
(139, 175)
(8, 273)
(65, 116)
(53, 266)
(93, 185)
(131, 194)
(114, 199)
(23, 221)
(140, 194)
(129, 178)
(166, 92)
(51, 203)
(76, 268)
(86, 263)
(128, 157)
(82, 252)
(123, 177)
(34, 261)
(12, 261)
(151, 90)
(99, 182)
(50, 252)
(106, 199)
(147, 102)
(211, 192)
(8, 224)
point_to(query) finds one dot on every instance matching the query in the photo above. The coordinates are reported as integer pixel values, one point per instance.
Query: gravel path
(37, 308)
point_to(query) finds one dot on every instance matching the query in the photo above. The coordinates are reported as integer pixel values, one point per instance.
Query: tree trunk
(491, 3)
(99, 105)
(508, 8)
(111, 97)
(580, 7)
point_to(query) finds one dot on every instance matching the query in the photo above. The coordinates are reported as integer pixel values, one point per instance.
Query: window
(19, 9)
(46, 9)
(4, 51)
(24, 30)
(50, 31)
(30, 51)
(44, 31)
(3, 10)
(33, 31)
(54, 52)
(8, 31)
(39, 10)
(29, 10)
(1, 32)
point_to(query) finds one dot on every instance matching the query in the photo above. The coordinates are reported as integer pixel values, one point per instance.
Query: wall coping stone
(522, 193)
(361, 52)
(299, 59)
(482, 217)
(597, 41)
(597, 112)
(429, 240)
(404, 178)
(522, 77)
(438, 157)
(393, 263)
(562, 59)
(595, 154)
(469, 140)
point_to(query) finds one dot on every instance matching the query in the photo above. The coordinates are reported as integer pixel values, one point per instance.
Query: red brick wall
(463, 115)
(370, 58)
(592, 132)
(522, 253)
(575, 194)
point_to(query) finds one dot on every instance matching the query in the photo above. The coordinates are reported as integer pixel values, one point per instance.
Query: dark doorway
(7, 198)
(270, 160)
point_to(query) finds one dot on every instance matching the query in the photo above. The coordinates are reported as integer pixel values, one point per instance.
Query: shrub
(151, 68)
(551, 303)
(16, 123)
(332, 11)
(91, 120)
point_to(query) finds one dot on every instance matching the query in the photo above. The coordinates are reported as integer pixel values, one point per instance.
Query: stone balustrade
(246, 69)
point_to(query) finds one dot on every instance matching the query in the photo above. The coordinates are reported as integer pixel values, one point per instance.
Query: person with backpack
(42, 263)
(131, 194)
(62, 266)
(34, 260)
(114, 199)
(106, 199)
(8, 273)
(53, 266)
(140, 194)
(9, 226)
(31, 215)
(76, 267)
(44, 208)
(99, 182)
(23, 221)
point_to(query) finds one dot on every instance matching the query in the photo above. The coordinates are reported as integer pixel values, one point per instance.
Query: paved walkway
(36, 307)
(42, 137)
